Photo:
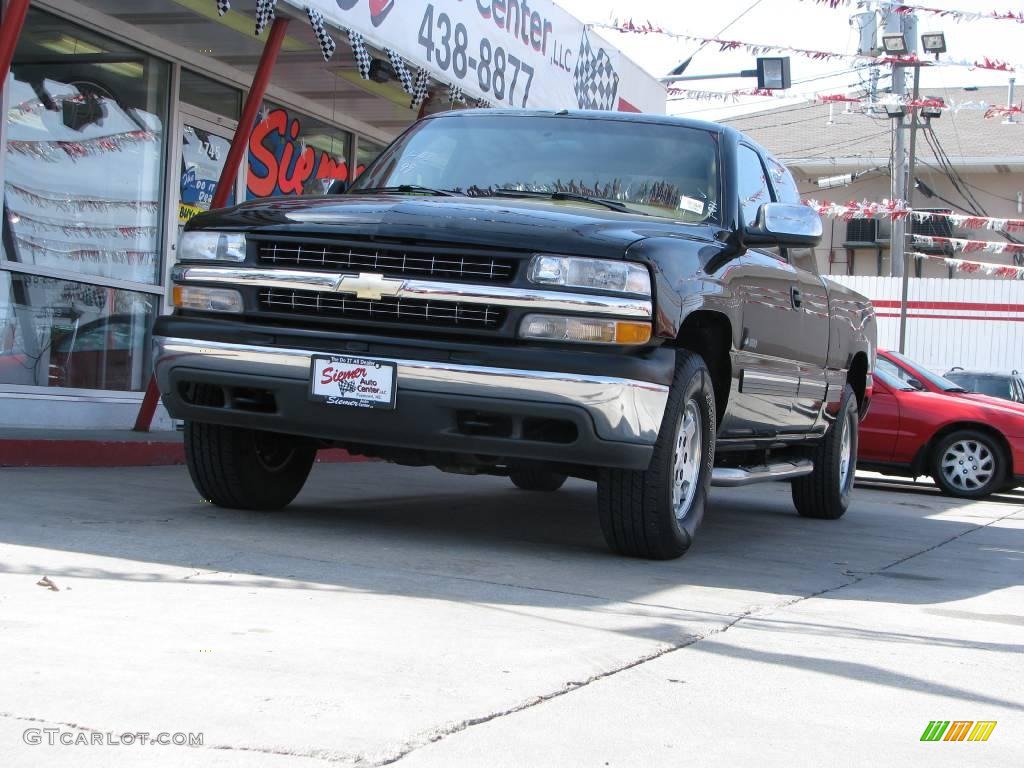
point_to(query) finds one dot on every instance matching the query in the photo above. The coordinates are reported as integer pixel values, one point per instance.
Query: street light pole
(899, 184)
(915, 111)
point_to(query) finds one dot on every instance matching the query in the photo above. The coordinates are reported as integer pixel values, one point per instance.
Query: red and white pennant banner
(974, 267)
(959, 245)
(898, 209)
(760, 49)
(947, 13)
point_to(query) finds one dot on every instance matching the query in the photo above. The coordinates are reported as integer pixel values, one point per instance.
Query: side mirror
(786, 225)
(339, 187)
(915, 383)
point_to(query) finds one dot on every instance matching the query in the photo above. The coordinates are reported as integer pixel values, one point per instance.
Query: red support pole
(260, 81)
(10, 31)
(239, 143)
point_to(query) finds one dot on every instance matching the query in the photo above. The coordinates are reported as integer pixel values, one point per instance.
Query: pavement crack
(452, 729)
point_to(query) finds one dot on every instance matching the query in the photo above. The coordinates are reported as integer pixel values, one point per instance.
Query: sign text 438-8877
(498, 73)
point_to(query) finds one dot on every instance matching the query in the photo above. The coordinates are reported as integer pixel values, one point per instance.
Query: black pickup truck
(629, 299)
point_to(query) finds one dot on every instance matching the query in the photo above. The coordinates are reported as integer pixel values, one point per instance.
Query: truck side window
(753, 184)
(785, 186)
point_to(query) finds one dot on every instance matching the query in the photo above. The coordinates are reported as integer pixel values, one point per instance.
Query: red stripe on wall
(625, 106)
(955, 317)
(964, 305)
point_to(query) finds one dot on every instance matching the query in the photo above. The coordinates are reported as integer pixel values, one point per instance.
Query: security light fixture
(931, 112)
(773, 73)
(895, 45)
(893, 108)
(933, 42)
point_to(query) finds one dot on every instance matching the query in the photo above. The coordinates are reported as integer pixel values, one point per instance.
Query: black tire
(825, 493)
(982, 457)
(638, 515)
(246, 468)
(536, 479)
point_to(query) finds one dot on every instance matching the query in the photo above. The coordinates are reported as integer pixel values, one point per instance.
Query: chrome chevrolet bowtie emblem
(368, 285)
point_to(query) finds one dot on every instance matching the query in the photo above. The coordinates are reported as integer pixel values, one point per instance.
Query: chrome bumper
(623, 410)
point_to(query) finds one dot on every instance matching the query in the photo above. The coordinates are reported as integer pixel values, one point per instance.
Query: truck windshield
(662, 170)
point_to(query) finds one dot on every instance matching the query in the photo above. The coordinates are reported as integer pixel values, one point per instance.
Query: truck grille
(449, 314)
(387, 260)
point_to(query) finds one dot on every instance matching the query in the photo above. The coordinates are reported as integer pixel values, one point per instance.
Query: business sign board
(512, 53)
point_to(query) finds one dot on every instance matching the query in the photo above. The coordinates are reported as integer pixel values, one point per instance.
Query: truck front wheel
(246, 468)
(655, 513)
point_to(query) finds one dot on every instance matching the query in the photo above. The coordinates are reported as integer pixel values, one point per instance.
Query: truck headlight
(207, 246)
(585, 330)
(207, 299)
(604, 274)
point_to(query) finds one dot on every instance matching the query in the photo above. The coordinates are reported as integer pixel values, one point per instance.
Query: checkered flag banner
(421, 89)
(595, 80)
(327, 44)
(360, 54)
(455, 94)
(264, 14)
(483, 104)
(401, 71)
(223, 6)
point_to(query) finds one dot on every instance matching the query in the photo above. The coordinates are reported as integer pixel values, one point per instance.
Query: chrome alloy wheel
(687, 460)
(968, 465)
(845, 455)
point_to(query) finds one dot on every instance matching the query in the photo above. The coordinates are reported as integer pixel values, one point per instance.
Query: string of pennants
(733, 97)
(946, 13)
(973, 267)
(760, 49)
(417, 84)
(899, 209)
(960, 245)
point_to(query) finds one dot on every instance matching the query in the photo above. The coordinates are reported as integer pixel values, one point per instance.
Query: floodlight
(893, 108)
(895, 45)
(933, 111)
(773, 73)
(933, 42)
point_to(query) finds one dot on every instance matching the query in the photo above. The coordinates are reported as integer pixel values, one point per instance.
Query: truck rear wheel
(825, 493)
(246, 468)
(537, 480)
(655, 513)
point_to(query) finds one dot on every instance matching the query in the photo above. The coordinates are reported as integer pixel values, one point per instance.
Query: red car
(920, 378)
(971, 446)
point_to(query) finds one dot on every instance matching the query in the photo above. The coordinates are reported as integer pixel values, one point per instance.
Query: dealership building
(119, 115)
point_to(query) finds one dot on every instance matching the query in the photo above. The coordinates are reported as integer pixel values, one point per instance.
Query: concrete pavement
(397, 615)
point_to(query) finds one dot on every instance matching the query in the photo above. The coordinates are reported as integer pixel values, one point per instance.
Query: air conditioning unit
(861, 233)
(938, 226)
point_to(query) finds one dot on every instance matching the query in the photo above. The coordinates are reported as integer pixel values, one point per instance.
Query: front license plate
(353, 382)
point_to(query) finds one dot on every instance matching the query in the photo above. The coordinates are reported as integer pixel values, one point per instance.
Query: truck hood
(511, 223)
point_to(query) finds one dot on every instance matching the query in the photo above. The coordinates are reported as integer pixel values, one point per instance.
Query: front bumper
(614, 421)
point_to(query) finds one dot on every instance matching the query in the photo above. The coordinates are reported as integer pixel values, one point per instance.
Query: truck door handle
(796, 297)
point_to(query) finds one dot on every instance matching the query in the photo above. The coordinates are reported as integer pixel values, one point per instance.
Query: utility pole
(899, 183)
(908, 240)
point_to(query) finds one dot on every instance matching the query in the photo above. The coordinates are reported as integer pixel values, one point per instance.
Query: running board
(730, 477)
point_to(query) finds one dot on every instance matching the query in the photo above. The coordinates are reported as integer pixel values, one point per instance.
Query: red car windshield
(921, 372)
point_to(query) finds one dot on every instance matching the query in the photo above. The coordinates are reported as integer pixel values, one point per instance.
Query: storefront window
(83, 170)
(59, 333)
(202, 92)
(366, 152)
(293, 154)
(82, 183)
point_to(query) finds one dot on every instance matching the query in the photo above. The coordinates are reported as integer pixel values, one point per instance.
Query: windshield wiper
(615, 205)
(404, 189)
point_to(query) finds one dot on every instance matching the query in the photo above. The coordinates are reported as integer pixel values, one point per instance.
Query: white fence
(971, 323)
